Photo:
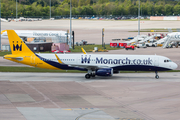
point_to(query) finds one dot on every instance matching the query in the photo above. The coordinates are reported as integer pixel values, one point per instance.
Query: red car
(129, 47)
(59, 51)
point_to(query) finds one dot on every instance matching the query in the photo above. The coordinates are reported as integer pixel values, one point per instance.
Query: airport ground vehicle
(129, 47)
(141, 45)
(151, 44)
(113, 45)
(94, 64)
(122, 45)
(169, 46)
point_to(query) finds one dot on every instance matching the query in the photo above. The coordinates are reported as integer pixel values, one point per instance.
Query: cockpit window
(167, 61)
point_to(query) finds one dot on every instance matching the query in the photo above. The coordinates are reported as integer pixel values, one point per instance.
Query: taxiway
(69, 96)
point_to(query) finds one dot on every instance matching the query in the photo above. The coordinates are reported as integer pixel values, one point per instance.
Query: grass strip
(40, 70)
(4, 53)
(33, 69)
(90, 48)
(157, 30)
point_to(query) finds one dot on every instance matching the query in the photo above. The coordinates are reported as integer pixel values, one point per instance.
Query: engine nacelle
(104, 72)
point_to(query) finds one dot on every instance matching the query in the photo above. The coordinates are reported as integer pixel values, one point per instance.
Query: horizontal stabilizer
(13, 57)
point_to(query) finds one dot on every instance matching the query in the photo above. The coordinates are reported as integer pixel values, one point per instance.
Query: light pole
(0, 24)
(139, 19)
(16, 10)
(50, 9)
(70, 26)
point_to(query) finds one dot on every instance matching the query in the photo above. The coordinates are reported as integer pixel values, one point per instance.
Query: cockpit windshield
(167, 61)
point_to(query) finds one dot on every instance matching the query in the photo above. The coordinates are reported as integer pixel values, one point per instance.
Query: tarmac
(91, 30)
(69, 96)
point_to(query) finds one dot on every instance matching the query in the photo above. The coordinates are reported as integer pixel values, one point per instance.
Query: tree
(74, 3)
(177, 9)
(81, 2)
(168, 9)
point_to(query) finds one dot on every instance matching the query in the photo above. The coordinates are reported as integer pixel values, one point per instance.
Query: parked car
(143, 45)
(129, 47)
(151, 44)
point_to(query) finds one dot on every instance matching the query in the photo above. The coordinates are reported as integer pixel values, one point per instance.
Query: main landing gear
(90, 74)
(156, 76)
(87, 76)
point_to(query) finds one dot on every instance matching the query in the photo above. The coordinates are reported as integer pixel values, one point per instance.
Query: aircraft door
(156, 61)
(78, 60)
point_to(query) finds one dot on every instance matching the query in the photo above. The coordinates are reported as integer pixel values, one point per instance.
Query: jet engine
(104, 72)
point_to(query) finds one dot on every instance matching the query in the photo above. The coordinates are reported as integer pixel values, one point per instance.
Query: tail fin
(16, 44)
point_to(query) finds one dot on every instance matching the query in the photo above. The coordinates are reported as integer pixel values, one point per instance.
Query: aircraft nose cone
(174, 66)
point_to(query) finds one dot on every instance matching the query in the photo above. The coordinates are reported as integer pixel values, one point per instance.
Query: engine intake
(104, 72)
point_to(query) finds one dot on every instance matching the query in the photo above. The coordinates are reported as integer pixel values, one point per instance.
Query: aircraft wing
(91, 67)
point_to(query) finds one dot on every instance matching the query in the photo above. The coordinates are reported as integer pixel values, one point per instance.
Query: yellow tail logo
(16, 44)
(17, 47)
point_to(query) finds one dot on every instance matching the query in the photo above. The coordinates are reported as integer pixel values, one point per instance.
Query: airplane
(171, 37)
(24, 34)
(94, 64)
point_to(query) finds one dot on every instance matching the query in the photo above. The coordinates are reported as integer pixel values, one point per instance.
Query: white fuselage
(36, 33)
(117, 62)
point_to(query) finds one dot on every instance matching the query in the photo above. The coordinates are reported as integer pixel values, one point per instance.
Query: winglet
(58, 59)
(3, 31)
(83, 51)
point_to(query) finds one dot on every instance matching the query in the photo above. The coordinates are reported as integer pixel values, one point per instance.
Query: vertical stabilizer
(16, 44)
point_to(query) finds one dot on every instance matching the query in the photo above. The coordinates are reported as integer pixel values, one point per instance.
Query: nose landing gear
(156, 76)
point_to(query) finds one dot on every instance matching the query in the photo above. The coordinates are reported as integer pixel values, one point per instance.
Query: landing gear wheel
(87, 76)
(93, 75)
(157, 76)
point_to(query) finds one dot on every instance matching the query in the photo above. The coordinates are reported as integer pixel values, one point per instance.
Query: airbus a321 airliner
(94, 64)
